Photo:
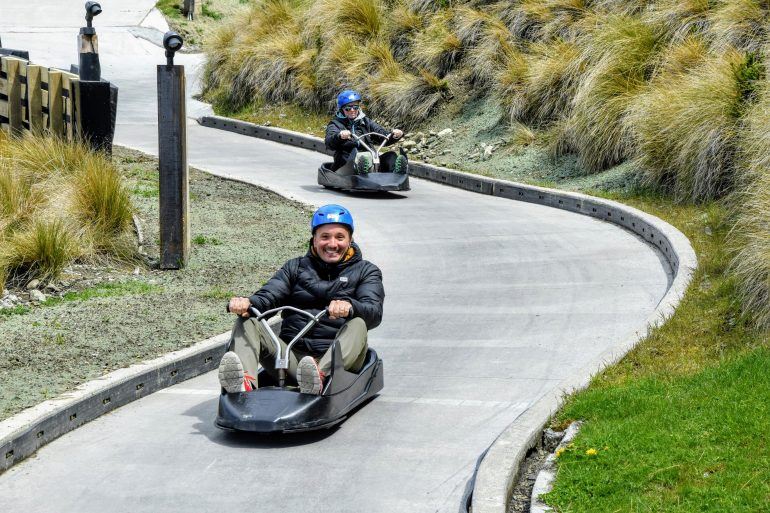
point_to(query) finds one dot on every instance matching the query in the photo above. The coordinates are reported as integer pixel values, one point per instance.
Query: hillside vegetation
(676, 89)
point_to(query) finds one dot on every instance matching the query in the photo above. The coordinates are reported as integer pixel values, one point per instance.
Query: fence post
(13, 91)
(55, 104)
(192, 8)
(70, 105)
(172, 154)
(34, 98)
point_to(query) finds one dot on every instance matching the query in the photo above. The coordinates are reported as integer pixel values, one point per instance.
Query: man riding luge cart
(357, 141)
(320, 367)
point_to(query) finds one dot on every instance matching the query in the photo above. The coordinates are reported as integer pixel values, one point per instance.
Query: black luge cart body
(380, 179)
(275, 408)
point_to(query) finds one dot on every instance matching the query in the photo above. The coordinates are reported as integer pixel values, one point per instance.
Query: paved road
(490, 303)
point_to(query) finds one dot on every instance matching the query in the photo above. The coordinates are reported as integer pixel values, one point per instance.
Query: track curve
(490, 303)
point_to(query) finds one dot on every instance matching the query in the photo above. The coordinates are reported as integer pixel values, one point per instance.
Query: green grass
(200, 240)
(106, 289)
(693, 444)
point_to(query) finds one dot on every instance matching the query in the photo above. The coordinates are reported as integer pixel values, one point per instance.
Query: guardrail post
(172, 154)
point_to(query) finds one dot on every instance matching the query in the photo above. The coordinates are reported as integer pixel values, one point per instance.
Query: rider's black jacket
(343, 147)
(310, 284)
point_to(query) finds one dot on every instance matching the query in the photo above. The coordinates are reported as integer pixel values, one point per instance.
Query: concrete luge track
(491, 303)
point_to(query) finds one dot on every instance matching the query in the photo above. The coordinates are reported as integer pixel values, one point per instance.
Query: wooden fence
(38, 99)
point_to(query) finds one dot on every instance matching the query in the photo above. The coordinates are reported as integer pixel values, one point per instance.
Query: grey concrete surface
(490, 304)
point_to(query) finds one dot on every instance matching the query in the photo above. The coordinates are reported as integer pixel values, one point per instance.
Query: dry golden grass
(738, 23)
(436, 48)
(680, 18)
(550, 82)
(750, 237)
(618, 55)
(490, 47)
(58, 202)
(686, 125)
(423, 91)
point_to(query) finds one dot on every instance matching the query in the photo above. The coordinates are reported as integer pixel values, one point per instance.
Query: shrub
(686, 126)
(750, 238)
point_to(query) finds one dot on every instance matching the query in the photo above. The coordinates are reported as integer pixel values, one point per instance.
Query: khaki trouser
(253, 345)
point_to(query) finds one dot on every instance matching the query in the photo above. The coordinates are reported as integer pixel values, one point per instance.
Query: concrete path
(490, 303)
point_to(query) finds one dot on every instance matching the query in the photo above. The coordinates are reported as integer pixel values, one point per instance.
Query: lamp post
(172, 155)
(88, 44)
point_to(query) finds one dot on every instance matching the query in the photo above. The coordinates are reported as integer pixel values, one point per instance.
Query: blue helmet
(329, 214)
(347, 96)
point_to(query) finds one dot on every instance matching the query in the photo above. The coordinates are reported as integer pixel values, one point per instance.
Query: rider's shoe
(231, 373)
(400, 165)
(363, 164)
(309, 376)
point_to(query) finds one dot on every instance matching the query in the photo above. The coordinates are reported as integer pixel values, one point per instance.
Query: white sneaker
(231, 373)
(309, 376)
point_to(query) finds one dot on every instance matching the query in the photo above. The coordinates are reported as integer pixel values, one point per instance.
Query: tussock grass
(402, 23)
(750, 238)
(680, 18)
(490, 46)
(424, 91)
(59, 202)
(619, 55)
(40, 250)
(738, 23)
(436, 48)
(525, 19)
(510, 81)
(686, 126)
(99, 198)
(550, 82)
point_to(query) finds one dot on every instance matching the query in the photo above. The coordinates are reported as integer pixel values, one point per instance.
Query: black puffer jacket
(310, 284)
(343, 147)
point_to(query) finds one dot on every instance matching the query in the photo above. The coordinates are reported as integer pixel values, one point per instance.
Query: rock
(432, 133)
(281, 115)
(445, 132)
(551, 439)
(36, 295)
(266, 123)
(52, 287)
(13, 298)
(33, 284)
(488, 151)
(419, 135)
(409, 144)
(136, 271)
(5, 292)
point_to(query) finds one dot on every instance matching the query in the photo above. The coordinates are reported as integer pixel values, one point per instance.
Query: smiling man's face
(331, 242)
